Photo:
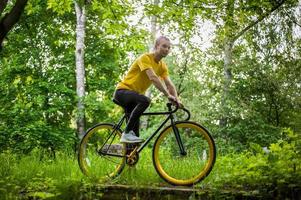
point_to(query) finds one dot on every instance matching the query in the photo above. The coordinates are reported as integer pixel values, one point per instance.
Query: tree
(37, 84)
(230, 36)
(80, 65)
(8, 21)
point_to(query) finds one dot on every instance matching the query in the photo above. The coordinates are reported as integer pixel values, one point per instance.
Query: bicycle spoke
(110, 159)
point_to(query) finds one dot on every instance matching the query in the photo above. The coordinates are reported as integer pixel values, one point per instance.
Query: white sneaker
(130, 137)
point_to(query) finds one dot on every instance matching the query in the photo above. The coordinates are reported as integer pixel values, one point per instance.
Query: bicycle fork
(178, 137)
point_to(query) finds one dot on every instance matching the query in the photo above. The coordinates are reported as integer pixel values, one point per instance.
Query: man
(146, 70)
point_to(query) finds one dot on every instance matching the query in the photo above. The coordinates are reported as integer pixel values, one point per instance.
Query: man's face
(163, 48)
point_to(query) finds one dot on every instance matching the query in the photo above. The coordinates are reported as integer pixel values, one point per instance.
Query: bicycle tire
(189, 169)
(100, 165)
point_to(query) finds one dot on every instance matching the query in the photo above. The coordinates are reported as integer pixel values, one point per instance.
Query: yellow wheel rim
(197, 169)
(93, 164)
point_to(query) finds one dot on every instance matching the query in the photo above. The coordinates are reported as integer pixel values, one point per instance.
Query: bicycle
(183, 154)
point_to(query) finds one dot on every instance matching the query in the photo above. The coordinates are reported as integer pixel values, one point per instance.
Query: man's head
(162, 46)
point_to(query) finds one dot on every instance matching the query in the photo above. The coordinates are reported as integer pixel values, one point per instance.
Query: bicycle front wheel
(193, 163)
(100, 153)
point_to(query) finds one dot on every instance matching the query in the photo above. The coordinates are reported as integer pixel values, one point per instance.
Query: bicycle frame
(145, 143)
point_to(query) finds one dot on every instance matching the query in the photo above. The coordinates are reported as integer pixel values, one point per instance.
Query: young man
(146, 70)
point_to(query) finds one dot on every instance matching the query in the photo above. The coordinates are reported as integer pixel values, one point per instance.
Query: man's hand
(172, 99)
(175, 101)
(180, 104)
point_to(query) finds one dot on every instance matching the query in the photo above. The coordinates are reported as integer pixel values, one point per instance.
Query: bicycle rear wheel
(181, 169)
(100, 153)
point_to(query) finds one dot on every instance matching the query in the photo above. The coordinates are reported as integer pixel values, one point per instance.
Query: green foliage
(257, 172)
(34, 6)
(38, 88)
(277, 167)
(60, 7)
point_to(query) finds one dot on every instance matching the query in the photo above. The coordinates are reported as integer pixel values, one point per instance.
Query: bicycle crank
(133, 159)
(132, 155)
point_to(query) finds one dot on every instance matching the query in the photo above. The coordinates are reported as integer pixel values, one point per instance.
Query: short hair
(158, 40)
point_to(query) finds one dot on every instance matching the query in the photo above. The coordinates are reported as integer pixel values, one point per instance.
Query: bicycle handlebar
(170, 111)
(187, 112)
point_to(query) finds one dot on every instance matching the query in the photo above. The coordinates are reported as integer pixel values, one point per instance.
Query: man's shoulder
(145, 57)
(150, 59)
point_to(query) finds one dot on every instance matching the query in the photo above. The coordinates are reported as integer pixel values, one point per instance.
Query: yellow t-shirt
(136, 79)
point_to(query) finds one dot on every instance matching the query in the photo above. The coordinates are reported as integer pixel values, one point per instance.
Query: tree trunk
(227, 51)
(3, 4)
(228, 46)
(80, 67)
(148, 93)
(11, 18)
(153, 28)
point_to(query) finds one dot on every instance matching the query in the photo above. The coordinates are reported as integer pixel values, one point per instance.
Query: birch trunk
(80, 67)
(148, 93)
(228, 46)
(227, 51)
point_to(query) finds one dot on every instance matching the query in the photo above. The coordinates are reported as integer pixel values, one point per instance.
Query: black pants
(134, 105)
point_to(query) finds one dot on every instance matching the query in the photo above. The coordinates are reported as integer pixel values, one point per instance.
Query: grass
(29, 177)
(28, 174)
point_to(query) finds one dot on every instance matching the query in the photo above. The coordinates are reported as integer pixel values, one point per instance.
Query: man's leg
(142, 105)
(137, 124)
(135, 104)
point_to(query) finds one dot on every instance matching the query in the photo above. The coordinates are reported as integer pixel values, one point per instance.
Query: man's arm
(170, 87)
(158, 84)
(172, 90)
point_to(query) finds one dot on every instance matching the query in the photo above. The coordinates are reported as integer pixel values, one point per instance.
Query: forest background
(235, 63)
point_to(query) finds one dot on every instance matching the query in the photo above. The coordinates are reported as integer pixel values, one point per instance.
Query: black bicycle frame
(145, 143)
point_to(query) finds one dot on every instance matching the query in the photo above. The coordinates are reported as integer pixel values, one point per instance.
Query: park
(235, 66)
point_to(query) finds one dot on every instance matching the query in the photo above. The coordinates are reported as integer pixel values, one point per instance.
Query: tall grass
(25, 174)
(36, 176)
(29, 175)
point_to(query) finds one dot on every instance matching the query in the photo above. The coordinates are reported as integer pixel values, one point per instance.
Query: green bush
(277, 166)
